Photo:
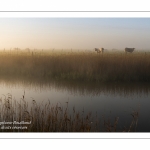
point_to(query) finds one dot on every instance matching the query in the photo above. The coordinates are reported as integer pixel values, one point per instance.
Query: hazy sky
(75, 33)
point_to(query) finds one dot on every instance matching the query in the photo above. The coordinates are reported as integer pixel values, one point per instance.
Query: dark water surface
(109, 100)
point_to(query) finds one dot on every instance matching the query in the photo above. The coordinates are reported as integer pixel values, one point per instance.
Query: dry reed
(45, 117)
(76, 66)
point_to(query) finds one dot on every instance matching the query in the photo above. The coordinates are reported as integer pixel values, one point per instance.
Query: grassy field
(20, 116)
(80, 67)
(75, 66)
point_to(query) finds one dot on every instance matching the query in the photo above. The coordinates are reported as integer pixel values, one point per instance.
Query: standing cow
(130, 50)
(99, 50)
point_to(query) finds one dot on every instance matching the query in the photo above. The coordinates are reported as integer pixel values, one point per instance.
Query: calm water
(109, 100)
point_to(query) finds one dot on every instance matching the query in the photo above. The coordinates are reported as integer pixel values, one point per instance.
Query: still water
(109, 100)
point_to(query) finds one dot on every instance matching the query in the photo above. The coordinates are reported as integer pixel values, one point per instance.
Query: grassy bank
(20, 116)
(77, 66)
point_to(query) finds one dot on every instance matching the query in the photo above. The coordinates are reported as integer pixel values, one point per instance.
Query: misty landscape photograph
(74, 75)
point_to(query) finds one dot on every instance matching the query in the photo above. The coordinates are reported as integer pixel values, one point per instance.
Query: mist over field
(74, 74)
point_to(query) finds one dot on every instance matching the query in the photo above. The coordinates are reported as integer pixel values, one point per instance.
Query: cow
(130, 50)
(99, 50)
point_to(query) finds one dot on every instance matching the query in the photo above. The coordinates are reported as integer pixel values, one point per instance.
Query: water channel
(109, 100)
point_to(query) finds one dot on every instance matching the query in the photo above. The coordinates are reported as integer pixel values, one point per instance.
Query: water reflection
(109, 100)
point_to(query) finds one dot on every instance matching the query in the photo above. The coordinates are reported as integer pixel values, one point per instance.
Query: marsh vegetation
(76, 66)
(93, 75)
(18, 116)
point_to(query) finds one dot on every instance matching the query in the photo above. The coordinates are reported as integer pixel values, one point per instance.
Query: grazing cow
(99, 50)
(130, 50)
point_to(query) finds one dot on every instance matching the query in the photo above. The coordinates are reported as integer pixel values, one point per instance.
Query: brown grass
(76, 66)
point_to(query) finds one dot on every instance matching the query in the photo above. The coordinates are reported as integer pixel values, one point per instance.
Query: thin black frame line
(75, 11)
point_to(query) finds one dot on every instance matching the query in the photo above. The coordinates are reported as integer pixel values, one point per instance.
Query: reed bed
(76, 66)
(19, 116)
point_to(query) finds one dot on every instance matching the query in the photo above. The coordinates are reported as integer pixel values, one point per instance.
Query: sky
(74, 33)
